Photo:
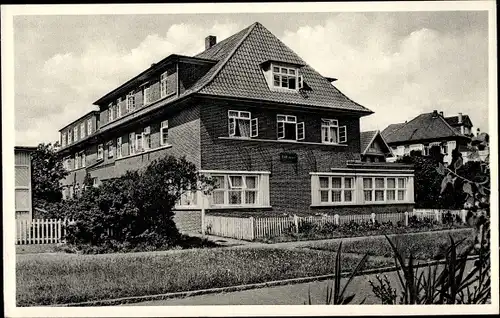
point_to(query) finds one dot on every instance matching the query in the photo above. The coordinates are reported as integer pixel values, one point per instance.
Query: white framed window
(89, 126)
(385, 189)
(66, 163)
(130, 102)
(138, 143)
(110, 112)
(100, 152)
(63, 139)
(77, 160)
(118, 109)
(84, 159)
(164, 133)
(146, 139)
(111, 149)
(332, 133)
(289, 128)
(286, 77)
(147, 94)
(75, 133)
(163, 84)
(236, 190)
(241, 124)
(336, 189)
(119, 147)
(82, 130)
(131, 143)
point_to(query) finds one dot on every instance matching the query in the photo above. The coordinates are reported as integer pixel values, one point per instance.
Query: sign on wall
(289, 157)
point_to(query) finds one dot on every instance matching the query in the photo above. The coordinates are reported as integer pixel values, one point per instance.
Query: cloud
(65, 85)
(398, 76)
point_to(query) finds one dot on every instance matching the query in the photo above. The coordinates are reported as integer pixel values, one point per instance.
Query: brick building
(277, 136)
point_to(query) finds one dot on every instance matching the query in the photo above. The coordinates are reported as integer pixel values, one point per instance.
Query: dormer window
(286, 77)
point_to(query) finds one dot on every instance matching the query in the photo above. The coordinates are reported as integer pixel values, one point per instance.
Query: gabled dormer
(283, 76)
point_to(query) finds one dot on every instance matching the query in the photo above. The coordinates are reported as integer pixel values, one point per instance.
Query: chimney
(478, 131)
(441, 113)
(434, 113)
(210, 41)
(459, 118)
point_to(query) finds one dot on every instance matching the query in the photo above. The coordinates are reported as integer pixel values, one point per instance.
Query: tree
(47, 172)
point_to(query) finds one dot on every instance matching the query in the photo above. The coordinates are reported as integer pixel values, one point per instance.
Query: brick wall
(290, 183)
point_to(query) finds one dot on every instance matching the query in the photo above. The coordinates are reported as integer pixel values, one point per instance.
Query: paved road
(282, 295)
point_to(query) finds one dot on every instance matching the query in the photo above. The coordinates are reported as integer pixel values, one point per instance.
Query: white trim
(234, 172)
(284, 141)
(382, 172)
(363, 204)
(143, 152)
(217, 207)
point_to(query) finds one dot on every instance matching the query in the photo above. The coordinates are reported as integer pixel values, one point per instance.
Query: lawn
(424, 246)
(66, 278)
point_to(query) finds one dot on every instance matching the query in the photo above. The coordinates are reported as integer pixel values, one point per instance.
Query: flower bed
(311, 231)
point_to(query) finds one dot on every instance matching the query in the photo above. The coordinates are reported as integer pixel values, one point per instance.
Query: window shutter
(343, 134)
(301, 82)
(254, 130)
(281, 130)
(301, 133)
(232, 127)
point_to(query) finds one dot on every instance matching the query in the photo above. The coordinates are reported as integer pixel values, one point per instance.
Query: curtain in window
(244, 127)
(333, 134)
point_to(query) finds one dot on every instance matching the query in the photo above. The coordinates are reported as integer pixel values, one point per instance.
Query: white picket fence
(40, 231)
(252, 228)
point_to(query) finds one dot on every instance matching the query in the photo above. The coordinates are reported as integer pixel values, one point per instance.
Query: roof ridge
(227, 58)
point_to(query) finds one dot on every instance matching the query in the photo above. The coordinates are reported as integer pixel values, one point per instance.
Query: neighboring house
(23, 199)
(373, 147)
(276, 135)
(482, 142)
(428, 130)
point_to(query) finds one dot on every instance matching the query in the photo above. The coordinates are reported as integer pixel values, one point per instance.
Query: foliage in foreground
(335, 295)
(134, 211)
(438, 284)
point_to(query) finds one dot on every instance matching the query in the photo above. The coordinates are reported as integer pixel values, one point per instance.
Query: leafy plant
(335, 295)
(450, 285)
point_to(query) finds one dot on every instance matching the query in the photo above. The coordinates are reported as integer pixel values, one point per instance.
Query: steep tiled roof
(453, 120)
(238, 73)
(365, 139)
(422, 127)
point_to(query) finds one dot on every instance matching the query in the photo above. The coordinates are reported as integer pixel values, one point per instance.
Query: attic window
(286, 77)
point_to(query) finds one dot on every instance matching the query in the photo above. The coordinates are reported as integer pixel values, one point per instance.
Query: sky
(398, 64)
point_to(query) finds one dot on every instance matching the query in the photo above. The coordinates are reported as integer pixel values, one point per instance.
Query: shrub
(134, 211)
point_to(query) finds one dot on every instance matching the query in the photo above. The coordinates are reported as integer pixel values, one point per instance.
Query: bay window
(336, 189)
(241, 124)
(289, 129)
(339, 188)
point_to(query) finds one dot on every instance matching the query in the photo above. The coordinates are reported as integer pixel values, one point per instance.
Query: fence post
(373, 218)
(252, 228)
(463, 213)
(406, 218)
(336, 219)
(296, 222)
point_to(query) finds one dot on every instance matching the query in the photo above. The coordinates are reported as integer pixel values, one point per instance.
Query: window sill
(359, 204)
(144, 152)
(282, 141)
(187, 207)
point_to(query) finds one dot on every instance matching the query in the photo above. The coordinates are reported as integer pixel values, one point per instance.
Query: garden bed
(67, 278)
(424, 246)
(360, 229)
